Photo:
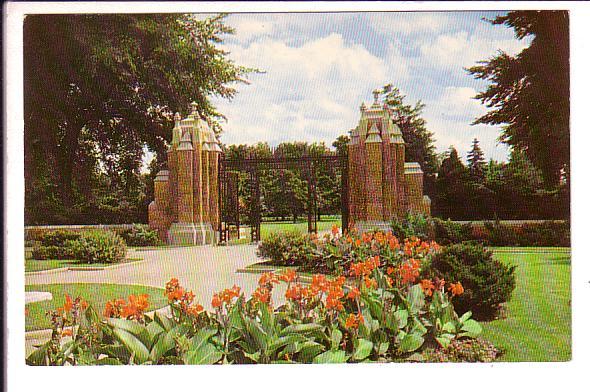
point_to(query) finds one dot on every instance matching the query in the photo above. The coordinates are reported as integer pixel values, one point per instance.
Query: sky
(319, 68)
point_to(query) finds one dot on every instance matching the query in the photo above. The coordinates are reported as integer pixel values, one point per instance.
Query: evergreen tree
(475, 160)
(529, 93)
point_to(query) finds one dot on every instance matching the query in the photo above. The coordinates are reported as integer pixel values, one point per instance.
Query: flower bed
(378, 309)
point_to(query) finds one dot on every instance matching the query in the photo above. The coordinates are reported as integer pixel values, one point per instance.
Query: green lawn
(32, 265)
(267, 228)
(537, 326)
(95, 294)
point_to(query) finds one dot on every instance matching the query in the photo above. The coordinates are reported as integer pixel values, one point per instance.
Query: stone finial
(376, 95)
(177, 119)
(194, 107)
(363, 107)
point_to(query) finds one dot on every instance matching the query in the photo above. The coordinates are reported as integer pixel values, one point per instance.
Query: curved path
(202, 269)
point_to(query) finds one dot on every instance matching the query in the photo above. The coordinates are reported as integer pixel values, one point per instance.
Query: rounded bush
(487, 282)
(140, 235)
(58, 237)
(99, 247)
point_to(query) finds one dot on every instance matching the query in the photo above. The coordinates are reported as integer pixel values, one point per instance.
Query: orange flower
(267, 278)
(427, 286)
(367, 237)
(319, 283)
(262, 294)
(66, 332)
(456, 288)
(194, 310)
(370, 283)
(335, 230)
(176, 294)
(353, 321)
(354, 293)
(289, 275)
(216, 301)
(294, 292)
(334, 303)
(390, 270)
(393, 243)
(357, 242)
(356, 269)
(68, 304)
(83, 305)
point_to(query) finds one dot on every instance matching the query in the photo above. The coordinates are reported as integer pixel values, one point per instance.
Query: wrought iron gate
(245, 173)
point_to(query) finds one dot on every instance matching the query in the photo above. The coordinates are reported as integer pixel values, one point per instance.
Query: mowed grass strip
(32, 265)
(537, 326)
(96, 294)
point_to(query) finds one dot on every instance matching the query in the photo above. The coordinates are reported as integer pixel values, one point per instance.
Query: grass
(537, 326)
(95, 294)
(268, 228)
(32, 265)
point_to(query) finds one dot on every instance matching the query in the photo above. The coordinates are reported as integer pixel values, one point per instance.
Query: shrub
(449, 232)
(549, 233)
(99, 247)
(413, 225)
(65, 251)
(487, 282)
(501, 235)
(140, 235)
(58, 237)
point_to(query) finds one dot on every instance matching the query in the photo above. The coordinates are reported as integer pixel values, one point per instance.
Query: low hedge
(545, 233)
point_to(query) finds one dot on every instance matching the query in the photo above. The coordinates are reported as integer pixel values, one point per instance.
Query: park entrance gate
(243, 199)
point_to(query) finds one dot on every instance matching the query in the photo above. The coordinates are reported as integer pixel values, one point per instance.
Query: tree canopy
(101, 88)
(528, 94)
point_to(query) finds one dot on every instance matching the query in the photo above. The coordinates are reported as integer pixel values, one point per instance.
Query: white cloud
(320, 67)
(461, 49)
(311, 92)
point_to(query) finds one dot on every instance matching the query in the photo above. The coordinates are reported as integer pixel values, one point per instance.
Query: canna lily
(456, 288)
(288, 276)
(427, 286)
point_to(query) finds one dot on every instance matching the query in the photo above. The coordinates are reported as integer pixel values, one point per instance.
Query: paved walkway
(202, 269)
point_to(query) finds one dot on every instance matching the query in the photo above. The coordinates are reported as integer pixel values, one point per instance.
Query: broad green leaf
(254, 357)
(163, 321)
(154, 329)
(108, 361)
(336, 338)
(38, 357)
(301, 328)
(471, 328)
(205, 355)
(201, 338)
(331, 357)
(382, 348)
(415, 298)
(363, 349)
(449, 327)
(133, 327)
(411, 342)
(135, 346)
(401, 317)
(465, 317)
(445, 339)
(308, 351)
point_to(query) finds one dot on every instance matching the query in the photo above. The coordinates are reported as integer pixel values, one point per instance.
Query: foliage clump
(488, 282)
(99, 247)
(140, 235)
